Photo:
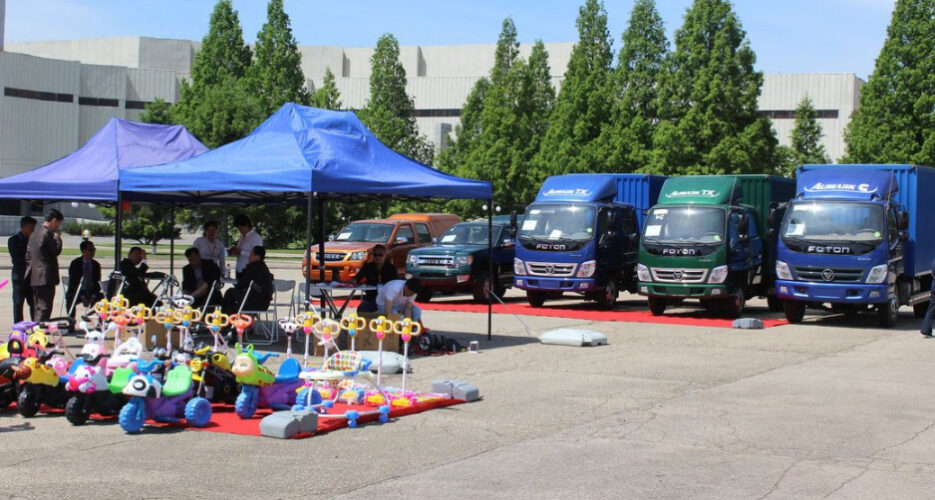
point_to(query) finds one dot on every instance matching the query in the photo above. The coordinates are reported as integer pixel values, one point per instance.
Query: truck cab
(458, 261)
(704, 241)
(580, 236)
(846, 240)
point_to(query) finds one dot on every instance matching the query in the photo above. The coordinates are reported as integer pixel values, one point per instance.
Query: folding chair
(284, 289)
(262, 318)
(64, 306)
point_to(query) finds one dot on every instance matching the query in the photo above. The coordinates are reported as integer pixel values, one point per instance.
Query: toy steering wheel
(288, 325)
(352, 323)
(307, 320)
(326, 330)
(407, 329)
(119, 302)
(217, 320)
(381, 326)
(182, 301)
(185, 315)
(120, 317)
(241, 321)
(102, 308)
(166, 317)
(140, 314)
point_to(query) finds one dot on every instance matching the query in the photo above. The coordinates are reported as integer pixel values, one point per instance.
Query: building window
(789, 114)
(434, 113)
(37, 95)
(137, 104)
(98, 101)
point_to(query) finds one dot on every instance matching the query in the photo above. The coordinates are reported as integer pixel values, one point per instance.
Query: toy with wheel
(217, 321)
(289, 326)
(307, 320)
(351, 324)
(185, 317)
(380, 326)
(170, 402)
(241, 322)
(90, 391)
(11, 372)
(326, 331)
(406, 329)
(259, 387)
(43, 386)
(337, 379)
(211, 370)
(166, 316)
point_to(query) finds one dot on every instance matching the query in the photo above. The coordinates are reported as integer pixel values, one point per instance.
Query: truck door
(738, 251)
(607, 251)
(402, 242)
(627, 228)
(895, 244)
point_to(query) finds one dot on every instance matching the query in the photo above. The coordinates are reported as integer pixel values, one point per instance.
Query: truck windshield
(366, 232)
(685, 225)
(558, 222)
(468, 234)
(834, 221)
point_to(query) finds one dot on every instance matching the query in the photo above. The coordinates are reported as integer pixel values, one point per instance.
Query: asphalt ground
(831, 408)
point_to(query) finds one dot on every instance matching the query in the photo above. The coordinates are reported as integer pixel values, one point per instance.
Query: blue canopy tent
(299, 154)
(91, 173)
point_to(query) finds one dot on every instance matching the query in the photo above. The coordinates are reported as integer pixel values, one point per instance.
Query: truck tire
(887, 313)
(657, 306)
(920, 309)
(424, 295)
(774, 304)
(608, 298)
(482, 287)
(536, 299)
(733, 306)
(794, 310)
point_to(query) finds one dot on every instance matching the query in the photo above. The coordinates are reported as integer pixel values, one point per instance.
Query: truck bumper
(835, 293)
(539, 284)
(335, 273)
(447, 282)
(683, 291)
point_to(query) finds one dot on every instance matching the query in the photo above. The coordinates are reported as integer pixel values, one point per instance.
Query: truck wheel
(481, 288)
(657, 306)
(794, 310)
(536, 299)
(920, 309)
(424, 295)
(608, 298)
(733, 308)
(888, 313)
(774, 304)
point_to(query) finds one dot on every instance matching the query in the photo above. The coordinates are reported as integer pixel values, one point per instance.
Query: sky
(788, 36)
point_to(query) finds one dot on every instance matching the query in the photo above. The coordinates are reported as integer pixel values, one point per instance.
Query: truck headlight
(642, 273)
(782, 270)
(519, 267)
(586, 270)
(878, 274)
(359, 255)
(464, 260)
(412, 259)
(718, 274)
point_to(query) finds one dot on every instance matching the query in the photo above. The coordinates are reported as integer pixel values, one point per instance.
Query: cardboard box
(366, 339)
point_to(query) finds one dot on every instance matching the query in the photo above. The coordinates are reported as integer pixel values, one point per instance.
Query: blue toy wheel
(384, 414)
(245, 406)
(132, 416)
(198, 412)
(352, 416)
(308, 397)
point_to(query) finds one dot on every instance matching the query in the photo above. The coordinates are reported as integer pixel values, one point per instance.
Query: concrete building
(57, 94)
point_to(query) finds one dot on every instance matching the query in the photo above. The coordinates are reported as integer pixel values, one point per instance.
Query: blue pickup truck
(857, 237)
(581, 235)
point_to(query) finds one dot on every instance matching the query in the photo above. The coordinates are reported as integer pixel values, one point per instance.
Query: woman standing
(212, 248)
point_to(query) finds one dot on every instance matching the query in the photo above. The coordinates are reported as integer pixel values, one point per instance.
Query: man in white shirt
(248, 239)
(398, 297)
(211, 247)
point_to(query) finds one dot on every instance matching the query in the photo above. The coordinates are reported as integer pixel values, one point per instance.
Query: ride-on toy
(259, 387)
(149, 398)
(211, 370)
(11, 372)
(43, 386)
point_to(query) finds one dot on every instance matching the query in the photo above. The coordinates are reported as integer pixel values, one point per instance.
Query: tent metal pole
(493, 279)
(172, 241)
(321, 248)
(118, 230)
(308, 252)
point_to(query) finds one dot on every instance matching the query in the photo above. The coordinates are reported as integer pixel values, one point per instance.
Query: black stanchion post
(321, 249)
(490, 275)
(118, 230)
(308, 252)
(172, 242)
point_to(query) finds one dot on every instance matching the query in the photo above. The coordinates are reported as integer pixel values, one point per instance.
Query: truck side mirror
(635, 238)
(435, 240)
(771, 219)
(401, 241)
(508, 243)
(330, 237)
(743, 238)
(903, 236)
(903, 220)
(513, 218)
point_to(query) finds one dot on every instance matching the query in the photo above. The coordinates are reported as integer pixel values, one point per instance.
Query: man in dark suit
(84, 279)
(18, 278)
(45, 245)
(133, 268)
(257, 273)
(199, 276)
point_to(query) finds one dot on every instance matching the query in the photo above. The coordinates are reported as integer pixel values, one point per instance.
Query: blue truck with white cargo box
(581, 235)
(858, 237)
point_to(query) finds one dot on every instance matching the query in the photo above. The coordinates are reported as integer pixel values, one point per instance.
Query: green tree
(626, 140)
(146, 224)
(538, 110)
(896, 118)
(328, 96)
(708, 99)
(806, 136)
(582, 106)
(276, 74)
(158, 111)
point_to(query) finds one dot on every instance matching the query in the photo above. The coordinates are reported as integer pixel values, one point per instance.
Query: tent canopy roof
(296, 151)
(91, 173)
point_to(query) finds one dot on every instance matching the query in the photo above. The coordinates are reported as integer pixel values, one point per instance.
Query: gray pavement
(833, 407)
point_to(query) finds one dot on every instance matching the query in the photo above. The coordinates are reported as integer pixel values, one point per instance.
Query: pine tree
(708, 99)
(806, 136)
(158, 111)
(541, 102)
(276, 75)
(896, 118)
(328, 96)
(582, 105)
(626, 140)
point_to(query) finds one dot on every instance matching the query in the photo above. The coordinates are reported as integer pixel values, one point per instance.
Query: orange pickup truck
(352, 246)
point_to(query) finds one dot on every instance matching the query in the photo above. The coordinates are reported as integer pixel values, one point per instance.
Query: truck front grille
(679, 275)
(435, 261)
(550, 269)
(828, 275)
(331, 256)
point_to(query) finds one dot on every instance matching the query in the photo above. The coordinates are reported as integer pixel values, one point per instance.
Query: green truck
(708, 239)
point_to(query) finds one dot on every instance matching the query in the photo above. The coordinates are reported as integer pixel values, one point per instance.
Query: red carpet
(588, 312)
